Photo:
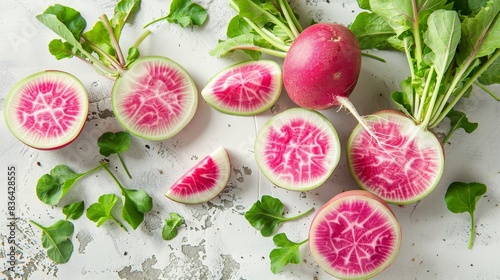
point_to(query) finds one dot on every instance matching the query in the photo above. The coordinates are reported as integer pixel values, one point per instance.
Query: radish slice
(247, 88)
(155, 98)
(355, 235)
(402, 164)
(204, 180)
(297, 149)
(47, 110)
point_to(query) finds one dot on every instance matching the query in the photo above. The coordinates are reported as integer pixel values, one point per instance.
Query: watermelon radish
(247, 88)
(297, 149)
(322, 64)
(47, 110)
(398, 161)
(152, 97)
(355, 235)
(204, 180)
(155, 98)
(321, 61)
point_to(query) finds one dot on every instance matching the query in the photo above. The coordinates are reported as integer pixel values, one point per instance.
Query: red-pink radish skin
(403, 166)
(204, 180)
(246, 88)
(323, 62)
(355, 235)
(297, 149)
(47, 110)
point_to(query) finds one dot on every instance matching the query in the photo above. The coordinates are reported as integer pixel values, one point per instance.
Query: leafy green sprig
(101, 211)
(184, 13)
(169, 230)
(266, 215)
(52, 187)
(463, 197)
(136, 202)
(115, 143)
(56, 238)
(287, 252)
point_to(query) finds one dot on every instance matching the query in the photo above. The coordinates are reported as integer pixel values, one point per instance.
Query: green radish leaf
(463, 197)
(169, 231)
(364, 4)
(101, 211)
(70, 18)
(372, 31)
(266, 215)
(74, 210)
(442, 41)
(123, 10)
(468, 7)
(56, 239)
(286, 253)
(492, 74)
(52, 187)
(115, 143)
(65, 22)
(459, 120)
(185, 13)
(61, 49)
(480, 33)
(133, 54)
(238, 26)
(100, 38)
(136, 204)
(400, 15)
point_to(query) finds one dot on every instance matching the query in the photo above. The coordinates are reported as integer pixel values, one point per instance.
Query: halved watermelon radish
(204, 180)
(402, 164)
(247, 88)
(155, 98)
(47, 110)
(355, 235)
(297, 149)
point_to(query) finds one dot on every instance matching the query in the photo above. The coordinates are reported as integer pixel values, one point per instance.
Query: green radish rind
(331, 217)
(271, 67)
(329, 161)
(36, 140)
(424, 139)
(136, 71)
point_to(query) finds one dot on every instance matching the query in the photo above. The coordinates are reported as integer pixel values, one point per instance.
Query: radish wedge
(47, 110)
(205, 180)
(355, 235)
(244, 89)
(402, 165)
(297, 149)
(155, 98)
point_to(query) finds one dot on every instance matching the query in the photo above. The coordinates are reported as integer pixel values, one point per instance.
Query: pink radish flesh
(323, 62)
(354, 236)
(204, 180)
(47, 110)
(155, 98)
(402, 165)
(246, 88)
(297, 149)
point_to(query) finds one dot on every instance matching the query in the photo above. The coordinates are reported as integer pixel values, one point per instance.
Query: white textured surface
(217, 242)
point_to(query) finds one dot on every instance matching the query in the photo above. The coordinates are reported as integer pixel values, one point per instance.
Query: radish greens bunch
(448, 48)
